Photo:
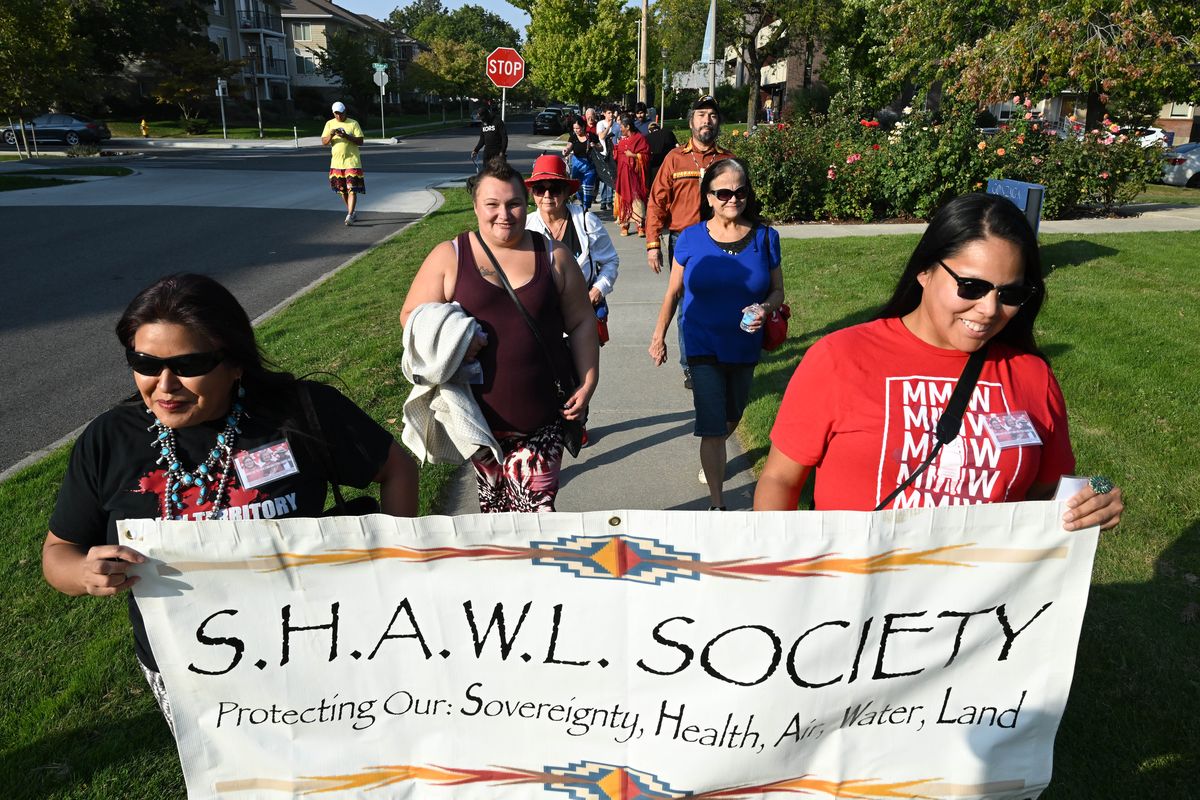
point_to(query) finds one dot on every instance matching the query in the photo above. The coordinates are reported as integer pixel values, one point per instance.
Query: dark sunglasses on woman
(192, 365)
(1016, 294)
(553, 187)
(725, 195)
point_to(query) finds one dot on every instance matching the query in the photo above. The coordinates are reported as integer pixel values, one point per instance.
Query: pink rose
(1000, 151)
(1104, 176)
(831, 174)
(853, 158)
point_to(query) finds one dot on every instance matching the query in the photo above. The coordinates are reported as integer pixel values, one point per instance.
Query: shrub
(842, 166)
(195, 125)
(83, 150)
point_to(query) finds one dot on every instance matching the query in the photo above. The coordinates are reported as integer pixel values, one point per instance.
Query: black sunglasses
(1016, 294)
(553, 187)
(192, 365)
(725, 195)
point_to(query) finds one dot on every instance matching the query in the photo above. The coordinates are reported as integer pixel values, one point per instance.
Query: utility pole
(643, 52)
(253, 50)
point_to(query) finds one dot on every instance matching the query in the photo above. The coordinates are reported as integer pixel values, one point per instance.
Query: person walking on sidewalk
(632, 155)
(344, 136)
(674, 201)
(493, 136)
(726, 270)
(518, 394)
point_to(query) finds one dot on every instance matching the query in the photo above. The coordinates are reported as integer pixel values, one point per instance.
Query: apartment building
(279, 40)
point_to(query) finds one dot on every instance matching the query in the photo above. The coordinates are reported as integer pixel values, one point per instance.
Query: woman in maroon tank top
(517, 395)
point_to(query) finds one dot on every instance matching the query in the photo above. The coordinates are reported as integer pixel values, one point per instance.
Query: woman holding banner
(211, 433)
(870, 408)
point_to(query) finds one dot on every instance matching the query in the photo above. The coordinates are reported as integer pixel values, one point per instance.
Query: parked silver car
(70, 128)
(1181, 167)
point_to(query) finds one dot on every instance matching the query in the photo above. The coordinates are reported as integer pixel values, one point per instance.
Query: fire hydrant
(145, 130)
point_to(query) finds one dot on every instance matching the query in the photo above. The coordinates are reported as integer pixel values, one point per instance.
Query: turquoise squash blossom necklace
(211, 477)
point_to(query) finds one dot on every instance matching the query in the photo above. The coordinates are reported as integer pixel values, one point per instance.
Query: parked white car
(1182, 166)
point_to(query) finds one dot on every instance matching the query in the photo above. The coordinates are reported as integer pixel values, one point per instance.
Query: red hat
(551, 168)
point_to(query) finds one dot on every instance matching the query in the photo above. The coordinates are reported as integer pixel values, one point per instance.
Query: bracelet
(655, 245)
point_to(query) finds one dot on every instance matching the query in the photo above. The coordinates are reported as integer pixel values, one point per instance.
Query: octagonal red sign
(505, 67)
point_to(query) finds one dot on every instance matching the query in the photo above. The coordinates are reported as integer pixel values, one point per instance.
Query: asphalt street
(263, 222)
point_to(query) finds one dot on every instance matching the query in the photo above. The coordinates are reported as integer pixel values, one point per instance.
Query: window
(218, 7)
(302, 31)
(1181, 110)
(305, 64)
(223, 46)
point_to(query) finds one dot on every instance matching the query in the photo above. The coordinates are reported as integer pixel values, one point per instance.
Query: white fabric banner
(613, 655)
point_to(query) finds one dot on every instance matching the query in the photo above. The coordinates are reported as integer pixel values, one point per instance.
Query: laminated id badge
(1011, 430)
(268, 463)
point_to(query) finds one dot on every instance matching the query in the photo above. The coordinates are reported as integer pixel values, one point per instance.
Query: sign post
(505, 68)
(1026, 196)
(222, 91)
(381, 79)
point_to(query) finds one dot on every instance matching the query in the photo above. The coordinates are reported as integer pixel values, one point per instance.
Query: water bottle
(749, 315)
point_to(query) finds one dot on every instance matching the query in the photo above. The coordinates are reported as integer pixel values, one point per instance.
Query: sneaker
(354, 216)
(703, 480)
(349, 219)
(716, 508)
(623, 231)
(687, 379)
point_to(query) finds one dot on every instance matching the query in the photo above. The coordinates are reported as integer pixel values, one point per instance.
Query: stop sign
(505, 67)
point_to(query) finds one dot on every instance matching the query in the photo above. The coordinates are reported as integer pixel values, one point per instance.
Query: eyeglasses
(1016, 294)
(725, 195)
(192, 365)
(553, 187)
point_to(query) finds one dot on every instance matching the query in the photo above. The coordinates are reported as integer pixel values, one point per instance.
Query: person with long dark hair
(213, 432)
(861, 408)
(519, 368)
(725, 270)
(580, 146)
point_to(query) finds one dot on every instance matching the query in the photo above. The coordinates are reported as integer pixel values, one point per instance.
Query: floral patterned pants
(527, 480)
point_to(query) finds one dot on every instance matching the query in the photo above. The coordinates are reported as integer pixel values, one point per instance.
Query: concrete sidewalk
(643, 453)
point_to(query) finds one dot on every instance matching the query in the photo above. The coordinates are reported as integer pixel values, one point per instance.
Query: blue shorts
(720, 393)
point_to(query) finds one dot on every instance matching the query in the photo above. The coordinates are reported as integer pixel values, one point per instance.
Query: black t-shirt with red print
(113, 474)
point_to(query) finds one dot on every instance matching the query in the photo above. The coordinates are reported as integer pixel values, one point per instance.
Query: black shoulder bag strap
(562, 387)
(322, 446)
(950, 422)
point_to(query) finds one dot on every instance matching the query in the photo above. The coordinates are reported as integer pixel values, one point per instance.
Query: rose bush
(844, 167)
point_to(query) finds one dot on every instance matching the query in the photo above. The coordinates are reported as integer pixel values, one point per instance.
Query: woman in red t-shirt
(862, 405)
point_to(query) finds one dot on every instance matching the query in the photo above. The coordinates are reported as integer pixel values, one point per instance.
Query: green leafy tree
(468, 25)
(449, 68)
(34, 38)
(187, 76)
(348, 56)
(1135, 54)
(412, 15)
(583, 51)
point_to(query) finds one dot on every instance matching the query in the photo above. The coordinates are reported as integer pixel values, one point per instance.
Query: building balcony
(260, 21)
(267, 68)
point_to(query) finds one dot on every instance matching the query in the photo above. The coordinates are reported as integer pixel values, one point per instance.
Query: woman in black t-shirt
(580, 147)
(210, 434)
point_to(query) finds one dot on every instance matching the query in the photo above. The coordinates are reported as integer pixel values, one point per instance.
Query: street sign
(380, 67)
(381, 79)
(505, 67)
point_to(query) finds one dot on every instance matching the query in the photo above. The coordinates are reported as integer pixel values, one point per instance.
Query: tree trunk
(752, 102)
(1095, 109)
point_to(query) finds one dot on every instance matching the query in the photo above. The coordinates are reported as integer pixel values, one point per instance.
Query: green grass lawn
(1121, 327)
(131, 129)
(1169, 195)
(11, 183)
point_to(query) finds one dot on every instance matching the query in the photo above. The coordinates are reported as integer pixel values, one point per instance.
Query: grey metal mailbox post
(1025, 196)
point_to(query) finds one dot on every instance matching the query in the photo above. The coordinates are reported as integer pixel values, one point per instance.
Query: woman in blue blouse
(724, 265)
